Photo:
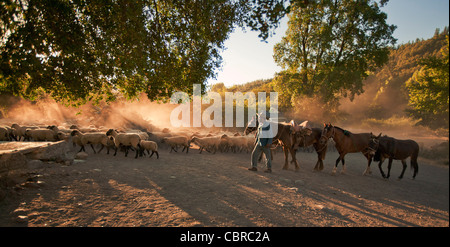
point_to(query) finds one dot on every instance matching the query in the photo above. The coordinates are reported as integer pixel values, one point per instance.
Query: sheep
(62, 136)
(126, 140)
(239, 142)
(158, 136)
(58, 129)
(76, 140)
(4, 134)
(174, 141)
(41, 135)
(19, 131)
(110, 144)
(89, 129)
(90, 138)
(149, 146)
(207, 143)
(250, 142)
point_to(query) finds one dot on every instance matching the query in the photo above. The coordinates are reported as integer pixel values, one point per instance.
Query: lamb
(90, 138)
(207, 143)
(174, 141)
(149, 146)
(125, 139)
(41, 135)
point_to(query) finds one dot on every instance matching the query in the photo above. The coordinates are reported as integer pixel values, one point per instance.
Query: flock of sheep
(139, 141)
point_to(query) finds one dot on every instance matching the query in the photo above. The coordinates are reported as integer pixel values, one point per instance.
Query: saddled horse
(394, 149)
(304, 137)
(284, 137)
(347, 142)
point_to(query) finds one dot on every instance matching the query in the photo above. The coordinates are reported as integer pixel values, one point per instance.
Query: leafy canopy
(330, 47)
(78, 50)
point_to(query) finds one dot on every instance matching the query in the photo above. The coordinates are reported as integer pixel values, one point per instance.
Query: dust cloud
(126, 114)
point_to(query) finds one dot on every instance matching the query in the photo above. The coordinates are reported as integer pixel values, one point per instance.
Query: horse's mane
(346, 132)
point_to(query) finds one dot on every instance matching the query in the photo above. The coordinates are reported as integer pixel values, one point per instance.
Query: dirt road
(218, 190)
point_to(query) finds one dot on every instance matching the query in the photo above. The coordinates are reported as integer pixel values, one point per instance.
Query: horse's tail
(414, 164)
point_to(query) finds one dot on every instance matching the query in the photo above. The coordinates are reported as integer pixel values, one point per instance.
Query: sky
(246, 58)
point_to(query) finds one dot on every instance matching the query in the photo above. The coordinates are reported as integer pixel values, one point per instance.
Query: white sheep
(149, 146)
(126, 140)
(90, 138)
(250, 142)
(207, 143)
(4, 134)
(41, 135)
(76, 140)
(176, 141)
(19, 131)
(157, 136)
(236, 143)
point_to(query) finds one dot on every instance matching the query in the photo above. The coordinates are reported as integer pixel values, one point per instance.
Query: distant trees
(429, 90)
(330, 48)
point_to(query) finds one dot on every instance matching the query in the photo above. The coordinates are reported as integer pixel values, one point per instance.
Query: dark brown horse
(347, 142)
(305, 138)
(284, 137)
(394, 149)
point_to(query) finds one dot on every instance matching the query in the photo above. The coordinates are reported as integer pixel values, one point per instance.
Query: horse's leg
(317, 166)
(369, 161)
(320, 158)
(381, 169)
(335, 166)
(294, 159)
(389, 167)
(286, 158)
(343, 166)
(403, 171)
(415, 166)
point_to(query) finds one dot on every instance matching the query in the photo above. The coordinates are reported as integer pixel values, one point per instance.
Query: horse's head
(299, 133)
(252, 125)
(327, 133)
(374, 143)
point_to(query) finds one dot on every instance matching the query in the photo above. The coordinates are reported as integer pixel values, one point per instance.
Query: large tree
(330, 47)
(77, 50)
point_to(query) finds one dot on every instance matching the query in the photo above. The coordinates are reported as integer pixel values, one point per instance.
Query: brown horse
(284, 137)
(303, 138)
(394, 149)
(347, 142)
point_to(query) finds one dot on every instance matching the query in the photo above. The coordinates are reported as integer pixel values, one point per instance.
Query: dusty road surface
(206, 189)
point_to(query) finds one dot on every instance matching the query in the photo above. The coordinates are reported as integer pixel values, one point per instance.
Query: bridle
(377, 144)
(324, 137)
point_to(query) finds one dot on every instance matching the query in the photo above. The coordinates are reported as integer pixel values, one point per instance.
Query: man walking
(262, 143)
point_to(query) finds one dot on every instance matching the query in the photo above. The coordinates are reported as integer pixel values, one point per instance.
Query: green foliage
(429, 90)
(330, 47)
(79, 50)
